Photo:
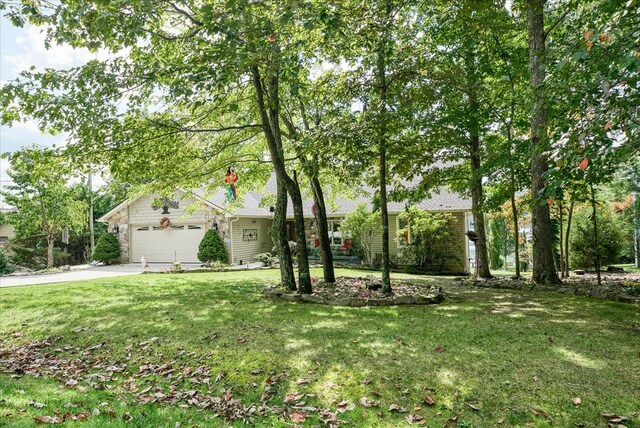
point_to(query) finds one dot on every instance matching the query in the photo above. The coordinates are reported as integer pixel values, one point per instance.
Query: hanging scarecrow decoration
(230, 178)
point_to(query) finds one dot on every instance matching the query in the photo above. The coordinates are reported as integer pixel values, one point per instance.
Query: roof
(441, 200)
(252, 205)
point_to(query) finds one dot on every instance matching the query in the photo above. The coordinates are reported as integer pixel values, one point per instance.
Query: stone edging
(614, 293)
(429, 299)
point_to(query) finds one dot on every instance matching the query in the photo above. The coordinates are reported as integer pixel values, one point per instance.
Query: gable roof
(252, 202)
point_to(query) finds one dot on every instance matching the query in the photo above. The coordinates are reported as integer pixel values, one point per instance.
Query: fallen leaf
(607, 125)
(429, 400)
(452, 421)
(364, 401)
(539, 412)
(36, 404)
(576, 400)
(302, 381)
(365, 382)
(47, 419)
(298, 416)
(256, 372)
(394, 408)
(588, 34)
(473, 407)
(439, 348)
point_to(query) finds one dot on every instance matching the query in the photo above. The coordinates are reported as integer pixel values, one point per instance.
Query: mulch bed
(361, 291)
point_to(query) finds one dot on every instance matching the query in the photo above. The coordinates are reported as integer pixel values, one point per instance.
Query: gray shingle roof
(440, 200)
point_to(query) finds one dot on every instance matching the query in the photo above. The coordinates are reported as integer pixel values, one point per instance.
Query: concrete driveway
(91, 272)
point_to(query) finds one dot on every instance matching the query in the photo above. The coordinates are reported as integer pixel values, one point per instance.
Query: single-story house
(244, 226)
(6, 230)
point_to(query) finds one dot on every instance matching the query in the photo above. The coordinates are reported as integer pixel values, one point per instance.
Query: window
(335, 235)
(405, 238)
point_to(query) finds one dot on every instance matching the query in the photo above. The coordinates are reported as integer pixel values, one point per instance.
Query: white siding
(245, 251)
(141, 213)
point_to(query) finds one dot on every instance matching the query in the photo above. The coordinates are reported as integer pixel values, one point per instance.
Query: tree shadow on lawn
(502, 351)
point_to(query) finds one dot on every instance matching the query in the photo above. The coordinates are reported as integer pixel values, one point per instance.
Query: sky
(20, 48)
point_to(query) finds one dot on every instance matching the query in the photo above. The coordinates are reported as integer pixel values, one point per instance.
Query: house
(171, 229)
(6, 229)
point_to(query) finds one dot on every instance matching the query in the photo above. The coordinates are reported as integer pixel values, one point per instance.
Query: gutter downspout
(231, 237)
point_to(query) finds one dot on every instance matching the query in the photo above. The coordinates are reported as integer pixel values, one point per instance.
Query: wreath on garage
(165, 222)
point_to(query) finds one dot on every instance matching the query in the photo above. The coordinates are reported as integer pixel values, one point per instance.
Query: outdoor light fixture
(214, 225)
(115, 229)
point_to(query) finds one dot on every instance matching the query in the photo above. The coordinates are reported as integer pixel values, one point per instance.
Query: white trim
(232, 261)
(467, 267)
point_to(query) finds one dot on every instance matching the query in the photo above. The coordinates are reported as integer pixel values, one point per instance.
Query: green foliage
(107, 248)
(360, 227)
(45, 203)
(501, 242)
(211, 248)
(610, 243)
(5, 267)
(31, 252)
(265, 258)
(431, 235)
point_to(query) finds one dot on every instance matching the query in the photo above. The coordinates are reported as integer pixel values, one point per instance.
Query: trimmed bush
(5, 267)
(211, 248)
(107, 249)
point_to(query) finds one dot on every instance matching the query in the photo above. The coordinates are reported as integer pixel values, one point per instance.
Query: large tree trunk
(50, 242)
(279, 236)
(482, 253)
(323, 229)
(381, 83)
(269, 117)
(566, 241)
(514, 211)
(544, 270)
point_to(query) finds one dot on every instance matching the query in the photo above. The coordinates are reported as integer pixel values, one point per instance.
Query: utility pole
(91, 214)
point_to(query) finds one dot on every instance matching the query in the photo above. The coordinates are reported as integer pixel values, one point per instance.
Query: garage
(177, 242)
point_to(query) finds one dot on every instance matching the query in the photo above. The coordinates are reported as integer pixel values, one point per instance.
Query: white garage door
(162, 245)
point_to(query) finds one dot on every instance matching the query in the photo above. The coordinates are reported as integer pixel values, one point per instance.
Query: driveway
(91, 272)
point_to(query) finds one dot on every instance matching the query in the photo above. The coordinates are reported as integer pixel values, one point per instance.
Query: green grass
(505, 352)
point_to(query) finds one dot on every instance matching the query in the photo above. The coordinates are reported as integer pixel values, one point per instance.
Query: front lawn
(193, 349)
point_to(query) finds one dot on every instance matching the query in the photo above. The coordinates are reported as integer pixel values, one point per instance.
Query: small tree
(610, 240)
(211, 248)
(39, 190)
(107, 249)
(430, 236)
(360, 226)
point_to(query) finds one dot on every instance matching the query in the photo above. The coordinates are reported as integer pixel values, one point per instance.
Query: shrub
(32, 253)
(5, 267)
(265, 258)
(360, 227)
(107, 249)
(610, 242)
(211, 248)
(430, 236)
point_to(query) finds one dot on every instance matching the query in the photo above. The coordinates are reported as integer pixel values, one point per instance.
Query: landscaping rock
(310, 298)
(356, 292)
(404, 300)
(291, 297)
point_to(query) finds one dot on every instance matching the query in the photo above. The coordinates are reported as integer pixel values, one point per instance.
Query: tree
(107, 249)
(360, 227)
(501, 242)
(226, 63)
(544, 270)
(40, 192)
(610, 242)
(211, 248)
